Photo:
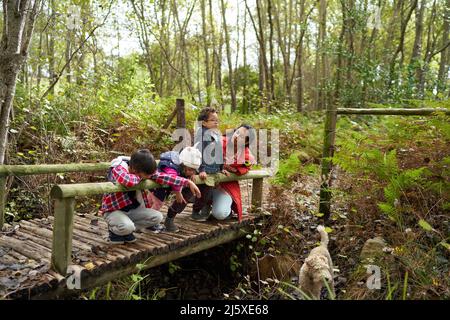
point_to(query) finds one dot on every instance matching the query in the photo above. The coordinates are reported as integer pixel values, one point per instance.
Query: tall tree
(232, 82)
(19, 17)
(206, 53)
(445, 53)
(416, 54)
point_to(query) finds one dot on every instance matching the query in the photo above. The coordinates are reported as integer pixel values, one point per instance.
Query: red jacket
(232, 187)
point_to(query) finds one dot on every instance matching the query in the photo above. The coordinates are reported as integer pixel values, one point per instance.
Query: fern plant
(397, 186)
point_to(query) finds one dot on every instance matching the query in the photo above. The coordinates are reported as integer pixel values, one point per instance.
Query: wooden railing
(65, 194)
(27, 170)
(330, 135)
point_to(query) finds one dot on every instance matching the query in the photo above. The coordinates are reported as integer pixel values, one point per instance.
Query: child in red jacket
(237, 159)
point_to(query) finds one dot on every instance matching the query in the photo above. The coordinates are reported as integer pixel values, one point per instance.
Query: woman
(226, 197)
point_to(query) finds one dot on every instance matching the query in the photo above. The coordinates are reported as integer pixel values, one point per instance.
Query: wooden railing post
(62, 234)
(2, 201)
(181, 115)
(257, 192)
(328, 152)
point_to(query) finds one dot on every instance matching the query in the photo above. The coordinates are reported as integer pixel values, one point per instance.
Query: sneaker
(199, 216)
(156, 228)
(170, 225)
(115, 238)
(129, 238)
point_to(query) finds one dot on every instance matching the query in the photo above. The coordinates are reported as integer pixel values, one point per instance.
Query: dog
(318, 267)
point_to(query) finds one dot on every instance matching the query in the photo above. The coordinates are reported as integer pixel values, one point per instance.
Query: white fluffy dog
(318, 267)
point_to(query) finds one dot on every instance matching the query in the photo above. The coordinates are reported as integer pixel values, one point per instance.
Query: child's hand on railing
(203, 175)
(225, 172)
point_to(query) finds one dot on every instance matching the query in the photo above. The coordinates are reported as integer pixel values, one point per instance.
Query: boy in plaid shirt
(127, 211)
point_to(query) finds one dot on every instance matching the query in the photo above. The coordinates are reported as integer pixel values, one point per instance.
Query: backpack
(170, 159)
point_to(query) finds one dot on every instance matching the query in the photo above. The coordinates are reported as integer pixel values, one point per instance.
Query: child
(212, 161)
(184, 164)
(227, 196)
(127, 211)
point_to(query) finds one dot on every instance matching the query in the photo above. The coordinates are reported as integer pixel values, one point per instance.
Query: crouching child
(126, 212)
(184, 164)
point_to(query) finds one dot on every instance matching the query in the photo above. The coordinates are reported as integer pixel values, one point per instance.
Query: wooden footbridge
(53, 256)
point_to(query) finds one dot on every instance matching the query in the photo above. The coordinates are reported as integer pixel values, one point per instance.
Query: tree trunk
(323, 69)
(245, 100)
(299, 78)
(284, 46)
(232, 82)
(431, 44)
(18, 19)
(187, 61)
(320, 65)
(417, 47)
(216, 61)
(206, 52)
(51, 46)
(403, 25)
(271, 72)
(444, 59)
(68, 53)
(337, 85)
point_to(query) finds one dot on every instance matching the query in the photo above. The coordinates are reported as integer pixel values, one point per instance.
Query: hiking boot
(199, 216)
(115, 238)
(129, 238)
(170, 225)
(156, 228)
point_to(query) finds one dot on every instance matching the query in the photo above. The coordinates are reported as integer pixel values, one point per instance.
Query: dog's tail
(323, 236)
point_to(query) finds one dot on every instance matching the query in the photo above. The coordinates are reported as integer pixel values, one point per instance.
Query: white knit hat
(191, 157)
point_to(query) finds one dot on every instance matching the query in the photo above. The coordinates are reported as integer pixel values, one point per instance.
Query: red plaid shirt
(118, 200)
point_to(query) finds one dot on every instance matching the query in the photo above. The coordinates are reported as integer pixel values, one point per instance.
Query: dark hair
(251, 133)
(205, 112)
(142, 161)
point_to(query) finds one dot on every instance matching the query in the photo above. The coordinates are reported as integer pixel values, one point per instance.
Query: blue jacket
(212, 157)
(170, 159)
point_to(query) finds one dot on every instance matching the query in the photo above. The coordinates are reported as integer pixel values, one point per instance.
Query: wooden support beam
(181, 115)
(393, 111)
(327, 154)
(62, 234)
(257, 193)
(167, 124)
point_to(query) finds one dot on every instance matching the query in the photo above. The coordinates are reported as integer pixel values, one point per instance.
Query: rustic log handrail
(25, 170)
(64, 196)
(36, 169)
(88, 189)
(330, 135)
(393, 111)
